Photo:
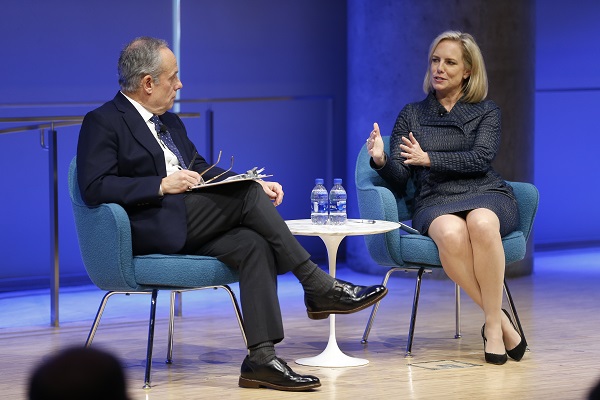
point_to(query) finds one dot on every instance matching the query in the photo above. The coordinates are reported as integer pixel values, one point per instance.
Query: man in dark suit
(133, 152)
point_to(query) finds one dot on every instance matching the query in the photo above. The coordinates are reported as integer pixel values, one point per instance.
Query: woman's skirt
(503, 206)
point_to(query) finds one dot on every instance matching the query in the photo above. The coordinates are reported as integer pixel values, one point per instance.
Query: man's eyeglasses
(203, 182)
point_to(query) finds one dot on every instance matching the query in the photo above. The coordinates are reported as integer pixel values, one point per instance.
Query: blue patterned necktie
(165, 137)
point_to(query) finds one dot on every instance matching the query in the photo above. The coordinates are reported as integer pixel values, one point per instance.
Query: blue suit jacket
(120, 161)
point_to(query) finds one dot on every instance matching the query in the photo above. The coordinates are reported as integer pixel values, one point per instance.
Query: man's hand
(180, 181)
(273, 190)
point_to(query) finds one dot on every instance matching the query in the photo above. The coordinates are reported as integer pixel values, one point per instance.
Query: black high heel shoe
(519, 350)
(492, 358)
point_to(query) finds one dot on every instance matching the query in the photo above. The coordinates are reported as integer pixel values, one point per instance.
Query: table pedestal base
(332, 356)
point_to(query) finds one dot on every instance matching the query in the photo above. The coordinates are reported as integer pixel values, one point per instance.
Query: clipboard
(250, 175)
(231, 179)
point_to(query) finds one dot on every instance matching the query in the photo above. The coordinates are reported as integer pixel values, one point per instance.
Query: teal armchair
(104, 237)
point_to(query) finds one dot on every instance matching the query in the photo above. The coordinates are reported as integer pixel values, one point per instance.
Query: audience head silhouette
(78, 373)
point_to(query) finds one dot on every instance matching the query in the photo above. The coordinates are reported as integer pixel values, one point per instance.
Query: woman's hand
(375, 146)
(412, 152)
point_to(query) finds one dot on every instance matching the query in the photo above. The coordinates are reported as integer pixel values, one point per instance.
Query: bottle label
(340, 207)
(319, 207)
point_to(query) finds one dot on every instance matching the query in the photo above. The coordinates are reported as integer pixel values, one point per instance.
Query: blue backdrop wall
(567, 135)
(274, 75)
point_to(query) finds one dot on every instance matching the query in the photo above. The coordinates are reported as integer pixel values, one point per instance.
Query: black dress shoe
(492, 358)
(519, 350)
(343, 298)
(275, 375)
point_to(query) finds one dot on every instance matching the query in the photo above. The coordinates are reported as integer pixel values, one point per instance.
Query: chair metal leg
(150, 339)
(94, 328)
(376, 306)
(513, 311)
(101, 308)
(178, 303)
(238, 313)
(457, 334)
(413, 316)
(172, 313)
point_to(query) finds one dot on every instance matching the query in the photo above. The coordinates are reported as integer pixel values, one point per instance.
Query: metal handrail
(52, 122)
(181, 101)
(36, 127)
(43, 118)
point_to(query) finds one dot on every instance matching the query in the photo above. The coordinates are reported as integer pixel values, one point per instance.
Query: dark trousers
(238, 224)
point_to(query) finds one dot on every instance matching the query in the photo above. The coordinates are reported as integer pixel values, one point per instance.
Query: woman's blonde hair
(475, 87)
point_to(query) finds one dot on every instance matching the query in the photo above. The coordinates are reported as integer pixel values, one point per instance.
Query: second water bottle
(337, 203)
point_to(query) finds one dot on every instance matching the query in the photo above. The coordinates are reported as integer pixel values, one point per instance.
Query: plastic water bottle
(319, 203)
(337, 203)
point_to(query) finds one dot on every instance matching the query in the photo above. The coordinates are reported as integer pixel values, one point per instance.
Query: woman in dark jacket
(446, 144)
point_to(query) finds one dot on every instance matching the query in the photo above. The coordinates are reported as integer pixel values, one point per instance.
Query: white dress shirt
(171, 161)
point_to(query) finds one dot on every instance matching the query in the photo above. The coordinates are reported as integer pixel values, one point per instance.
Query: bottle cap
(337, 181)
(318, 181)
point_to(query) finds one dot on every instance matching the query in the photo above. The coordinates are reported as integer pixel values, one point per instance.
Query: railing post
(53, 205)
(210, 135)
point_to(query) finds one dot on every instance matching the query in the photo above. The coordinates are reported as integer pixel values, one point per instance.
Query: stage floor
(558, 306)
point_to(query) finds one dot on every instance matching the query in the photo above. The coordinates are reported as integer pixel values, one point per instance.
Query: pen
(364, 221)
(193, 159)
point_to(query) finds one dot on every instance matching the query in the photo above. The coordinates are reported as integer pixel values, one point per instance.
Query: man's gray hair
(139, 58)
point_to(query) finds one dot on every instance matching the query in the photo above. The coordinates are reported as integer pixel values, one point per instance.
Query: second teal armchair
(398, 251)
